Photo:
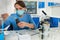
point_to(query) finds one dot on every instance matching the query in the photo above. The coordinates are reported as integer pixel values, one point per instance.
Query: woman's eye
(19, 9)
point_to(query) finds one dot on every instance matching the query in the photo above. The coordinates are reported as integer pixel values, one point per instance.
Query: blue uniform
(12, 20)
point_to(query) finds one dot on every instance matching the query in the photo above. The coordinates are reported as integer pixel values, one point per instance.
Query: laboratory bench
(22, 35)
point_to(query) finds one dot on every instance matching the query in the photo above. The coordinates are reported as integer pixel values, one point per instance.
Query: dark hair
(21, 3)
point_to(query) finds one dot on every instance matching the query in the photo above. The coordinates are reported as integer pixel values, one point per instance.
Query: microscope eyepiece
(44, 12)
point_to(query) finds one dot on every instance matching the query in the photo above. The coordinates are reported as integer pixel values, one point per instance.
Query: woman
(25, 20)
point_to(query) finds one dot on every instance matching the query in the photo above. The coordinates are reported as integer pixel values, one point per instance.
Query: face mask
(20, 12)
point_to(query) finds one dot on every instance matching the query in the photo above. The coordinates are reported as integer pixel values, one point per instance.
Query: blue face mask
(20, 12)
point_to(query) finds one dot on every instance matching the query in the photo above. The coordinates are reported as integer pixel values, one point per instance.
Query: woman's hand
(24, 24)
(21, 24)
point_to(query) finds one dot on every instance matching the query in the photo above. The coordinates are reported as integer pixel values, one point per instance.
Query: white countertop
(16, 35)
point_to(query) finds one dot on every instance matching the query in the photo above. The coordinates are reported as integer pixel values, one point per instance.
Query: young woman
(24, 18)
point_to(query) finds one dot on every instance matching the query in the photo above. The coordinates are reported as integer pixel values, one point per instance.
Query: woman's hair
(21, 3)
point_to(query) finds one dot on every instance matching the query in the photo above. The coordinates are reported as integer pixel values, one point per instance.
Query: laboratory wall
(7, 6)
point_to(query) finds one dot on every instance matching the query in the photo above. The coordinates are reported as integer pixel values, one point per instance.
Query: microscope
(44, 24)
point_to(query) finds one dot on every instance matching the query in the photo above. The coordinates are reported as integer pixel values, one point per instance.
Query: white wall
(55, 9)
(56, 1)
(6, 6)
(2, 6)
(10, 6)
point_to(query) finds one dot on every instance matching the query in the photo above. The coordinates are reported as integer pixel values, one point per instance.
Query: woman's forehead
(18, 6)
